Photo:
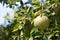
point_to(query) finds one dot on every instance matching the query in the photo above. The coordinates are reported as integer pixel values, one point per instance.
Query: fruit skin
(41, 22)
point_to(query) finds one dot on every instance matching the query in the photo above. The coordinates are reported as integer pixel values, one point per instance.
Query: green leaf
(19, 18)
(34, 32)
(21, 2)
(28, 10)
(16, 14)
(35, 1)
(17, 27)
(26, 33)
(56, 1)
(7, 17)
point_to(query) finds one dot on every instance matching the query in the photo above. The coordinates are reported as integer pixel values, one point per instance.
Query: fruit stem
(41, 11)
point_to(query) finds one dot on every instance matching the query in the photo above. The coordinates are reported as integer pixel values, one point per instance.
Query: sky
(4, 10)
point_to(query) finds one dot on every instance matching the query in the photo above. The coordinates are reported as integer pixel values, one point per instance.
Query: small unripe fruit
(41, 22)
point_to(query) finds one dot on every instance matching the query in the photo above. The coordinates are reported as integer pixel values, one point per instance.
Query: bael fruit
(41, 22)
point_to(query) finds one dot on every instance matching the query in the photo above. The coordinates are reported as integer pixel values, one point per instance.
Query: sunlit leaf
(16, 27)
(19, 18)
(37, 5)
(35, 1)
(7, 17)
(15, 14)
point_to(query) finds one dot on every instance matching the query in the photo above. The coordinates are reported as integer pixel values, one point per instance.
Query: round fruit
(41, 22)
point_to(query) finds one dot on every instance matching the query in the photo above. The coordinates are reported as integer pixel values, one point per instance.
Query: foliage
(22, 25)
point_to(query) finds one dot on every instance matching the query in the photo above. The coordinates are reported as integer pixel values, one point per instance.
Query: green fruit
(41, 22)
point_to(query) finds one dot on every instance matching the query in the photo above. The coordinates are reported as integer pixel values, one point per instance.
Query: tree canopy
(22, 26)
